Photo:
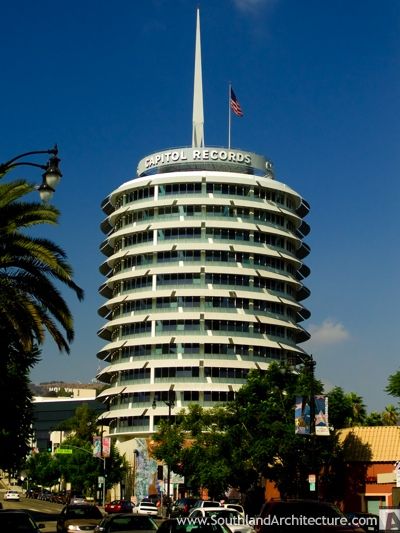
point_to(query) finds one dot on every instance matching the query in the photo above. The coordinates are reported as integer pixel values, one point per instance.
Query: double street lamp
(51, 175)
(170, 403)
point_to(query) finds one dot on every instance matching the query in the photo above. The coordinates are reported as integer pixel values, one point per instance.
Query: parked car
(206, 503)
(279, 516)
(76, 517)
(146, 508)
(239, 508)
(182, 507)
(175, 525)
(126, 522)
(231, 518)
(118, 506)
(12, 520)
(11, 495)
(77, 499)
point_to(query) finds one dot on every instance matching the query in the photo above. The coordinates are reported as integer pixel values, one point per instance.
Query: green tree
(30, 302)
(374, 419)
(358, 410)
(83, 424)
(340, 409)
(393, 386)
(253, 437)
(390, 416)
(43, 469)
(80, 468)
(15, 398)
(30, 305)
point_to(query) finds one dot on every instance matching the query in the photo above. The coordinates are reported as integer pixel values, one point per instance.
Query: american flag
(235, 106)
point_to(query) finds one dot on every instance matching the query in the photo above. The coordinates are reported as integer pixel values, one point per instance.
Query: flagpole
(229, 114)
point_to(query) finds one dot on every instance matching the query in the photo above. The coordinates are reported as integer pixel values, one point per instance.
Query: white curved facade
(204, 281)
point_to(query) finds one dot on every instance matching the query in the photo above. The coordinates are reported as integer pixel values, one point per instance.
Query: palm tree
(390, 415)
(358, 410)
(30, 302)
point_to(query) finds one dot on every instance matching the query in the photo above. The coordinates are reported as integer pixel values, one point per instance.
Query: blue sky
(319, 83)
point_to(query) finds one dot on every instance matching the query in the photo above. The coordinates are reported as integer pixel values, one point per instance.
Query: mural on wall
(146, 468)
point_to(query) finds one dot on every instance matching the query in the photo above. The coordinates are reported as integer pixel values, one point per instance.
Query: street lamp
(171, 404)
(309, 363)
(50, 177)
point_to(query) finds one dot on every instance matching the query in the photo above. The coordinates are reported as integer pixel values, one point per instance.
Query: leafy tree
(346, 409)
(43, 469)
(252, 438)
(393, 386)
(30, 305)
(374, 419)
(358, 410)
(15, 399)
(83, 424)
(80, 468)
(340, 410)
(390, 416)
(30, 302)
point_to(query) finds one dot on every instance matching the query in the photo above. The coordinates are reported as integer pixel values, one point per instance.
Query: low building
(372, 454)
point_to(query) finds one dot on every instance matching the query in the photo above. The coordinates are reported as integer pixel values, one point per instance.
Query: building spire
(198, 112)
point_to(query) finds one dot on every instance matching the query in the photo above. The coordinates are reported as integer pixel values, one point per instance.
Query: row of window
(229, 189)
(207, 349)
(219, 234)
(162, 396)
(207, 256)
(256, 215)
(194, 302)
(194, 372)
(190, 278)
(196, 326)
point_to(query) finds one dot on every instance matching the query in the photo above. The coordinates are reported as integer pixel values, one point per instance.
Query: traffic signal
(49, 446)
(160, 473)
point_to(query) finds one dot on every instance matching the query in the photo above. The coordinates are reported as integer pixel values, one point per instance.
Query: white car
(231, 518)
(11, 496)
(146, 508)
(236, 506)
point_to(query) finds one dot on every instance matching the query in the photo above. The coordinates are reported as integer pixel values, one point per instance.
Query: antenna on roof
(198, 112)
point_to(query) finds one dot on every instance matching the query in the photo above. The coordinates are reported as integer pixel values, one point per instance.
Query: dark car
(126, 522)
(278, 516)
(12, 520)
(76, 517)
(175, 525)
(182, 507)
(118, 506)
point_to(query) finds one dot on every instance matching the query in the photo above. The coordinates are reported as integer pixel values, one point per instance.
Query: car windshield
(87, 511)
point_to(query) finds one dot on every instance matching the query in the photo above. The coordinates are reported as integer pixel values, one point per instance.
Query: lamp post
(309, 363)
(170, 403)
(50, 177)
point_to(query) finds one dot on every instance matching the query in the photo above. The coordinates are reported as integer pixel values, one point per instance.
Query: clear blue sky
(319, 83)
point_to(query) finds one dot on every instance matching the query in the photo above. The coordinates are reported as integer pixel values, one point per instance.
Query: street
(41, 511)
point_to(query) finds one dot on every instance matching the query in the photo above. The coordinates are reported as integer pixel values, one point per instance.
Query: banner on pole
(302, 416)
(321, 415)
(97, 447)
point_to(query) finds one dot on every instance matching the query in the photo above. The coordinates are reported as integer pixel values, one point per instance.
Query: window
(191, 396)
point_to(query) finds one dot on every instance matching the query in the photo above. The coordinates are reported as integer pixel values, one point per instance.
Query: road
(41, 511)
